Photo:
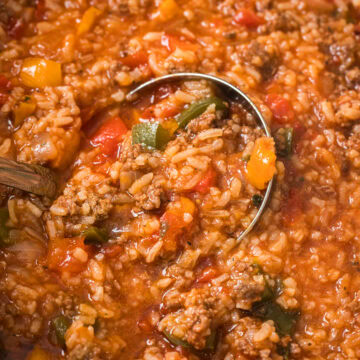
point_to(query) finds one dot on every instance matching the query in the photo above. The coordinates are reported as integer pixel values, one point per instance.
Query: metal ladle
(233, 93)
(41, 181)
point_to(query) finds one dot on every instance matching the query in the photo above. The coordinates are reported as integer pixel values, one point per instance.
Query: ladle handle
(35, 179)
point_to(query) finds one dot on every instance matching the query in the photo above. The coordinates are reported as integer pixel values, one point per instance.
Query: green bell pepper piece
(150, 134)
(60, 324)
(197, 108)
(94, 235)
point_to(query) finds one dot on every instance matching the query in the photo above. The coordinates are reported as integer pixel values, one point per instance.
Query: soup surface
(137, 257)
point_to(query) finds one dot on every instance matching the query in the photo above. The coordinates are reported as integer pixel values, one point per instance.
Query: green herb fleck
(268, 309)
(257, 200)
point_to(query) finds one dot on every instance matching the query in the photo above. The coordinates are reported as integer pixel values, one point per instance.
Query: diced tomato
(113, 250)
(102, 165)
(171, 42)
(149, 241)
(207, 274)
(68, 254)
(134, 60)
(40, 9)
(248, 18)
(172, 225)
(174, 221)
(148, 113)
(167, 108)
(145, 105)
(109, 136)
(158, 100)
(16, 28)
(281, 108)
(5, 83)
(209, 180)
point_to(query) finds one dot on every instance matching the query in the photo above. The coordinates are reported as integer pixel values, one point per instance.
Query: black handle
(35, 179)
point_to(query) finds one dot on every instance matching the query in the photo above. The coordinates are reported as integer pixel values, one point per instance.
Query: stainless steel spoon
(232, 92)
(41, 181)
(35, 179)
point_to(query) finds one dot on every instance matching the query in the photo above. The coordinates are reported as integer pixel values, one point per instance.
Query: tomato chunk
(177, 217)
(40, 9)
(171, 42)
(281, 108)
(209, 180)
(134, 60)
(109, 135)
(207, 275)
(248, 18)
(5, 83)
(68, 254)
(113, 251)
(16, 28)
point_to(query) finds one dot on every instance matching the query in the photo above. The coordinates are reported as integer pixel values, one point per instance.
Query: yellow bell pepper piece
(261, 167)
(168, 9)
(38, 73)
(170, 125)
(23, 110)
(88, 20)
(38, 354)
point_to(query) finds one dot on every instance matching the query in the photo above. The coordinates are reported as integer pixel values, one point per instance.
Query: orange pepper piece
(261, 167)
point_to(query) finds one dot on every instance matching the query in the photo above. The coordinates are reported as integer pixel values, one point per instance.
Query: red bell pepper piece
(109, 136)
